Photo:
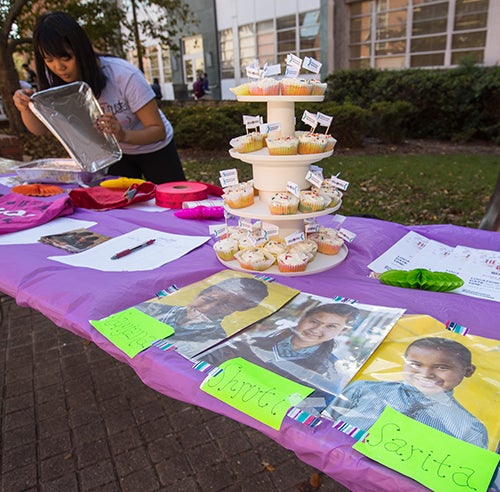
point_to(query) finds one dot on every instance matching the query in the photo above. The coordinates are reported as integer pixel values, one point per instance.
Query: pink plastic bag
(18, 212)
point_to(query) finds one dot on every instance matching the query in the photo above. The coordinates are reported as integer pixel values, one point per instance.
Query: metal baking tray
(58, 171)
(70, 112)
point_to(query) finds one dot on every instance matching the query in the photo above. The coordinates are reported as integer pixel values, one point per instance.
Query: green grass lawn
(404, 188)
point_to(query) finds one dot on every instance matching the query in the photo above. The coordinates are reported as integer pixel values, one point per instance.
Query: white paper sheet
(56, 226)
(479, 269)
(167, 247)
(400, 254)
(433, 256)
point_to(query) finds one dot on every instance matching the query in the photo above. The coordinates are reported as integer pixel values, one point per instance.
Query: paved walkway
(72, 418)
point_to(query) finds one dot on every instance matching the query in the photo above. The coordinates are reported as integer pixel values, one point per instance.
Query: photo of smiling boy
(312, 340)
(433, 367)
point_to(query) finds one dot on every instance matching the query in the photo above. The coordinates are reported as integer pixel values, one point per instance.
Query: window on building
(193, 58)
(286, 36)
(248, 48)
(309, 39)
(379, 34)
(266, 48)
(360, 29)
(469, 36)
(166, 64)
(390, 45)
(471, 14)
(226, 53)
(152, 54)
(298, 34)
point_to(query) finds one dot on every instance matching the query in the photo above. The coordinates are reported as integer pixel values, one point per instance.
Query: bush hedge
(455, 104)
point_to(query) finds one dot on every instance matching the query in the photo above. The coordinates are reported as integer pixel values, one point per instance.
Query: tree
(109, 27)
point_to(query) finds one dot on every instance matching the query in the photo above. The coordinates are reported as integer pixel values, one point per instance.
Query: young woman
(64, 54)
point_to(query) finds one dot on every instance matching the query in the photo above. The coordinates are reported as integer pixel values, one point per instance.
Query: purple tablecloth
(71, 296)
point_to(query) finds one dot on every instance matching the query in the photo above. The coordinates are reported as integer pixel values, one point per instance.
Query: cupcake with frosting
(292, 261)
(266, 86)
(312, 201)
(246, 243)
(283, 203)
(254, 259)
(275, 247)
(330, 143)
(329, 243)
(226, 248)
(282, 145)
(239, 196)
(295, 87)
(318, 88)
(329, 190)
(236, 232)
(248, 143)
(241, 90)
(308, 247)
(311, 143)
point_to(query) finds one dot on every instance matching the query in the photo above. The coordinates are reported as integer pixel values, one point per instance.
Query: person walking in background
(64, 54)
(206, 85)
(157, 89)
(199, 87)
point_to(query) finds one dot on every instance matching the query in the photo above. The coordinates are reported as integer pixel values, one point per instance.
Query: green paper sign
(440, 462)
(255, 391)
(131, 330)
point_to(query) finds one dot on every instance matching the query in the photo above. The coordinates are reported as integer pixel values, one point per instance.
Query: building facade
(341, 34)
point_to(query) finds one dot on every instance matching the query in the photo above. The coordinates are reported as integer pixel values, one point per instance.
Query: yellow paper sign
(131, 330)
(433, 458)
(255, 391)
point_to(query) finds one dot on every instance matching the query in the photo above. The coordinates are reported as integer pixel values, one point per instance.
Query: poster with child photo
(443, 379)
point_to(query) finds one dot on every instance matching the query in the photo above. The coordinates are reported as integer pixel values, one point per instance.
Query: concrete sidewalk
(72, 418)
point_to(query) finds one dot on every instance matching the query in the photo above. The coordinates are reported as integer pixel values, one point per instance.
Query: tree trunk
(491, 219)
(9, 83)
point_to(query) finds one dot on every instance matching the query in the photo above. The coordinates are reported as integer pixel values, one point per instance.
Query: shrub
(212, 126)
(390, 120)
(458, 103)
(350, 122)
(209, 126)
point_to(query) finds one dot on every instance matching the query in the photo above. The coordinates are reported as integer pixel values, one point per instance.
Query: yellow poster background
(479, 394)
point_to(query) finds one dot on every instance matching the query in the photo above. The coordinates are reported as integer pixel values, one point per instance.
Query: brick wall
(11, 148)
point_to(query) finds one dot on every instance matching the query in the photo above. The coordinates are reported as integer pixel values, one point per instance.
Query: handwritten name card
(433, 458)
(131, 330)
(255, 391)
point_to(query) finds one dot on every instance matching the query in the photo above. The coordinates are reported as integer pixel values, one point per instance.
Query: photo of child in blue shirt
(432, 368)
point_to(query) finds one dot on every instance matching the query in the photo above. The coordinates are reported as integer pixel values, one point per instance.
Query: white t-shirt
(127, 91)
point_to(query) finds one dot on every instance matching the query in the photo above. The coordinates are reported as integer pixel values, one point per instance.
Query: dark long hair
(59, 35)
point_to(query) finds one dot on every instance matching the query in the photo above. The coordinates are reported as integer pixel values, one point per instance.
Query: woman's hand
(21, 99)
(109, 125)
(149, 116)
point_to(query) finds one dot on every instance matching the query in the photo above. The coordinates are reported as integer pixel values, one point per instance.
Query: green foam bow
(423, 279)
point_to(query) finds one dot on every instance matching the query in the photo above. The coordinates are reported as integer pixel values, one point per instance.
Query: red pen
(126, 252)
